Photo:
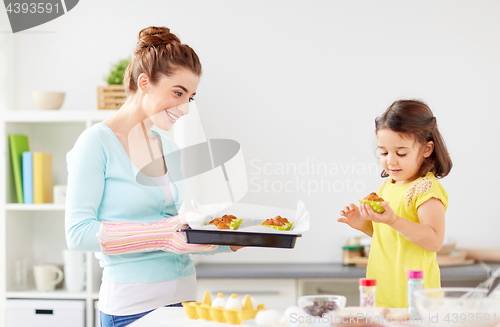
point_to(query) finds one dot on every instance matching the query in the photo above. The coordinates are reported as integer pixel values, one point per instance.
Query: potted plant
(113, 96)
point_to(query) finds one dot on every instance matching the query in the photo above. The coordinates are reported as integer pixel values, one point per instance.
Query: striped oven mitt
(124, 238)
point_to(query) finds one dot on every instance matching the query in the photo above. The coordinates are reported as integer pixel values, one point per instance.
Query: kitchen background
(298, 84)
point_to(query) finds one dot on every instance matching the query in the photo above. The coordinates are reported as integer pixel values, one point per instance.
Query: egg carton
(204, 310)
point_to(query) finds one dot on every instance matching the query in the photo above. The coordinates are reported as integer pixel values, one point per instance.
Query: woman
(124, 192)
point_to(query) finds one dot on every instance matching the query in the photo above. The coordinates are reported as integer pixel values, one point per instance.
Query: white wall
(6, 63)
(300, 83)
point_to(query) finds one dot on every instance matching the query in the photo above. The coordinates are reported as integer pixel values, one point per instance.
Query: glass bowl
(318, 305)
(458, 307)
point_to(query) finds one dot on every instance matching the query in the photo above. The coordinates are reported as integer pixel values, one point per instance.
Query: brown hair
(159, 52)
(413, 118)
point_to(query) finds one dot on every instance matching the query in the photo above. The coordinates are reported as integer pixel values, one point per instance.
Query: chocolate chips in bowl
(318, 305)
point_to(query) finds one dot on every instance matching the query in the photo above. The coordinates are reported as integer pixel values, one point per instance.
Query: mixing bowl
(318, 305)
(458, 307)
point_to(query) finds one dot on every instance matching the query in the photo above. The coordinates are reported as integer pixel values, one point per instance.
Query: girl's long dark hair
(413, 118)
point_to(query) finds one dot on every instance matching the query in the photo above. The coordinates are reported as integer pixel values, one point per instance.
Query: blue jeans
(121, 321)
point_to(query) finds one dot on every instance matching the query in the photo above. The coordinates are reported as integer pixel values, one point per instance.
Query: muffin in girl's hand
(373, 197)
(374, 201)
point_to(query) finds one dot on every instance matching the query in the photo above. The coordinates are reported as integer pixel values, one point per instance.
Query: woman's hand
(353, 218)
(387, 217)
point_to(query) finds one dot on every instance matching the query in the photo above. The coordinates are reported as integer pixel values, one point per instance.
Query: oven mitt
(164, 235)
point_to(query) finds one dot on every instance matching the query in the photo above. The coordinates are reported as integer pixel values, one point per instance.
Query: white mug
(47, 277)
(59, 194)
(74, 270)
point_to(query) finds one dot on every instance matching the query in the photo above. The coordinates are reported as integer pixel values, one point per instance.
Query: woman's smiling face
(401, 157)
(168, 100)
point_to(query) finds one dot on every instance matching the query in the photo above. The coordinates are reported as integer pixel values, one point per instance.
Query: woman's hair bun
(155, 36)
(159, 53)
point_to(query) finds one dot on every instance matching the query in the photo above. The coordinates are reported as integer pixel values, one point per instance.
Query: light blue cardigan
(102, 186)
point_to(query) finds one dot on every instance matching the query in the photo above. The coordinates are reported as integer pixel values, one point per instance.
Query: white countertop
(176, 317)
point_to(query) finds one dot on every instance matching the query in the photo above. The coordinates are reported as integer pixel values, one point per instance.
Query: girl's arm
(428, 234)
(354, 219)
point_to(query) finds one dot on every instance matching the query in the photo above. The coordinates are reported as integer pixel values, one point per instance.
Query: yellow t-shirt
(391, 255)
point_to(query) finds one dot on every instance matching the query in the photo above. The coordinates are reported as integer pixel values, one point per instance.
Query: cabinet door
(273, 293)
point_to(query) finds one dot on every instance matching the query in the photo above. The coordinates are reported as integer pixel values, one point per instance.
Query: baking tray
(269, 240)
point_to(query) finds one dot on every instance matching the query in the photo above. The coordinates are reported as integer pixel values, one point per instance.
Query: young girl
(408, 233)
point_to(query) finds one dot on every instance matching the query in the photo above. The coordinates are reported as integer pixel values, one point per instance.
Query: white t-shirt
(167, 186)
(127, 299)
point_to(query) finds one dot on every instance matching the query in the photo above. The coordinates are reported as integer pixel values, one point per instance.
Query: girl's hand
(353, 218)
(387, 217)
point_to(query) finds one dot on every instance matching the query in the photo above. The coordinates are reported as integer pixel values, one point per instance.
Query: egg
(233, 302)
(294, 317)
(219, 301)
(254, 303)
(267, 318)
(295, 310)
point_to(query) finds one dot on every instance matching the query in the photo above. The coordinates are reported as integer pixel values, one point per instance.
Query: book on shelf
(18, 144)
(28, 176)
(42, 177)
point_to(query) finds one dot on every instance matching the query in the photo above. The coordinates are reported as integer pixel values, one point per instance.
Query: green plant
(117, 72)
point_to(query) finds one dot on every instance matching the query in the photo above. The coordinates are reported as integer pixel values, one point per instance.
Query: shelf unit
(35, 232)
(34, 207)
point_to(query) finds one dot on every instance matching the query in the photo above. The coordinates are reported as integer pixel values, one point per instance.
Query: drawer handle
(247, 292)
(44, 312)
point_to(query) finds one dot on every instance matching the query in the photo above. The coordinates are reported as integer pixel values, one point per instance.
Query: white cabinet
(35, 232)
(45, 313)
(273, 293)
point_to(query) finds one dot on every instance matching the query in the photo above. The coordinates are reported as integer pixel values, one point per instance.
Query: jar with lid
(351, 251)
(415, 283)
(367, 291)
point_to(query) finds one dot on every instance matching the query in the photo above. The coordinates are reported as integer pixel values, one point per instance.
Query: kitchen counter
(323, 270)
(175, 317)
(258, 272)
(281, 284)
(305, 270)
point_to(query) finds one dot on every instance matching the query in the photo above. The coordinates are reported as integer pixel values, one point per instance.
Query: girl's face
(168, 100)
(401, 157)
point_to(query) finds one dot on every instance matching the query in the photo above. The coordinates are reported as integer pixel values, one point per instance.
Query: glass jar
(349, 252)
(415, 283)
(367, 291)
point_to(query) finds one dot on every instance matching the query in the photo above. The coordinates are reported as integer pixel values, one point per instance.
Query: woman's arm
(428, 234)
(86, 173)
